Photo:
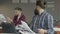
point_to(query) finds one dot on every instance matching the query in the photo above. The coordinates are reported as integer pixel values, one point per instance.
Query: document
(2, 18)
(24, 28)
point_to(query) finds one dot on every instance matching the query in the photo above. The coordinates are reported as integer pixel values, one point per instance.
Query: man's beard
(36, 12)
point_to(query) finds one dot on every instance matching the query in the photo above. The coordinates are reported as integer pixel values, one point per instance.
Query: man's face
(17, 12)
(38, 8)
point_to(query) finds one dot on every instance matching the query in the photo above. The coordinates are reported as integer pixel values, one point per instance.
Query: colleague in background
(18, 17)
(42, 22)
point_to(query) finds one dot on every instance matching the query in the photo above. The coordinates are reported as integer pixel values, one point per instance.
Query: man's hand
(8, 19)
(42, 31)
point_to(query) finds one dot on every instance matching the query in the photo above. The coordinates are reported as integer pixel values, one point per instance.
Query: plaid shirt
(44, 21)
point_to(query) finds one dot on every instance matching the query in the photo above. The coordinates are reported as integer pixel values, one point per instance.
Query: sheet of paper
(25, 28)
(2, 18)
(56, 29)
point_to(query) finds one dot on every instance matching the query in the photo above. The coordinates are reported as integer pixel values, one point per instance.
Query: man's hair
(17, 8)
(41, 3)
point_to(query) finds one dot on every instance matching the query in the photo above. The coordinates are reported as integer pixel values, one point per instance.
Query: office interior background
(28, 6)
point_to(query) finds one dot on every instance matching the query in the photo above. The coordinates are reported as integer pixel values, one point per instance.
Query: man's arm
(50, 25)
(31, 24)
(9, 19)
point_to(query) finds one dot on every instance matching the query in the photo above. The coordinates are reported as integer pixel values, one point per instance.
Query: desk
(57, 30)
(0, 29)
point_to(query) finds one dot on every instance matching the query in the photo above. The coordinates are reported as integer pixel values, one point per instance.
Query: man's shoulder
(35, 16)
(48, 14)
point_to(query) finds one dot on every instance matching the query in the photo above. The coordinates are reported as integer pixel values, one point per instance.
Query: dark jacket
(8, 28)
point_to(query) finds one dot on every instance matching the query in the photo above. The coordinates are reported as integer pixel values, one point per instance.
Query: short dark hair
(41, 3)
(17, 8)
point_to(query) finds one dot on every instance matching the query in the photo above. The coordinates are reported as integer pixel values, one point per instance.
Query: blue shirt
(44, 21)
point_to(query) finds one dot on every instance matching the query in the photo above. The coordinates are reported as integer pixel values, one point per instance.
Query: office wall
(58, 9)
(8, 10)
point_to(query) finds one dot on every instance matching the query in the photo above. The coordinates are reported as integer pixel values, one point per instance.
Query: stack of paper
(2, 18)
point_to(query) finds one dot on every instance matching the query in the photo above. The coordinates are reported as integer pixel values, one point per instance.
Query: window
(32, 1)
(24, 1)
(15, 1)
